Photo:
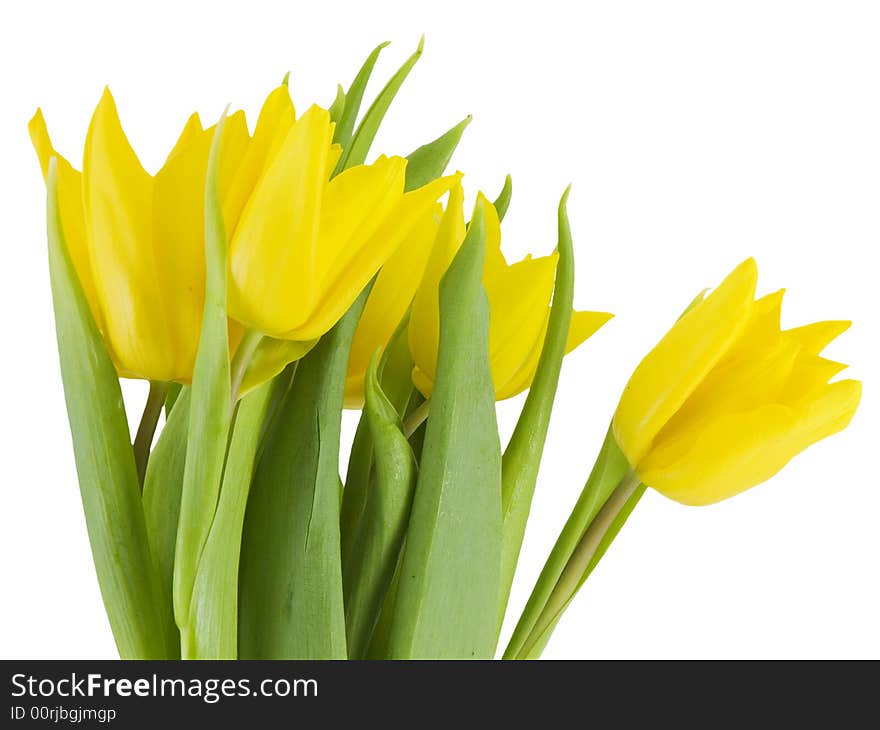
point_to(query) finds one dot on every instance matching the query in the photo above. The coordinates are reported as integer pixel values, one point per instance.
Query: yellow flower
(137, 240)
(519, 306)
(727, 398)
(388, 302)
(305, 245)
(301, 248)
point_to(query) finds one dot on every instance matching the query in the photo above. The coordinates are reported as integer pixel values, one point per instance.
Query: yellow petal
(117, 200)
(272, 253)
(583, 326)
(71, 209)
(276, 118)
(740, 450)
(355, 204)
(190, 132)
(389, 300)
(337, 295)
(424, 323)
(519, 299)
(815, 337)
(669, 373)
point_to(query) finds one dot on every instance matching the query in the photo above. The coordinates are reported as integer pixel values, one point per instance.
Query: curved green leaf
(211, 407)
(163, 485)
(212, 629)
(356, 152)
(502, 202)
(522, 457)
(126, 569)
(352, 105)
(367, 575)
(447, 596)
(429, 161)
(290, 589)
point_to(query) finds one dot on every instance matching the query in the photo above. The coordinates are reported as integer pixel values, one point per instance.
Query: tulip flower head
(519, 306)
(301, 246)
(727, 398)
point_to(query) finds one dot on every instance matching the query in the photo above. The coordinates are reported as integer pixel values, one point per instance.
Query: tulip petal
(424, 327)
(389, 300)
(740, 450)
(118, 201)
(338, 294)
(275, 238)
(276, 118)
(71, 207)
(815, 337)
(669, 373)
(188, 134)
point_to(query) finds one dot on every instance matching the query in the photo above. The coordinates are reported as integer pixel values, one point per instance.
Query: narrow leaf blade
(126, 570)
(447, 594)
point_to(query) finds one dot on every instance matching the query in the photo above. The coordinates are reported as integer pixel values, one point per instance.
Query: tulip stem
(250, 340)
(143, 439)
(416, 418)
(579, 564)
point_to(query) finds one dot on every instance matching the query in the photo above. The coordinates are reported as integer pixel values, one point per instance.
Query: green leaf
(127, 572)
(609, 471)
(367, 575)
(291, 603)
(353, 98)
(212, 629)
(162, 488)
(171, 397)
(356, 153)
(395, 377)
(535, 647)
(447, 597)
(522, 457)
(429, 161)
(211, 407)
(502, 202)
(337, 108)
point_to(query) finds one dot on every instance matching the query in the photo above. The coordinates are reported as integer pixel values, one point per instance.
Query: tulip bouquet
(262, 282)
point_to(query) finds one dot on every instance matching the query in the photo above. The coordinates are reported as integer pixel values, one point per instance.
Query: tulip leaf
(522, 457)
(429, 161)
(210, 405)
(502, 202)
(447, 596)
(337, 108)
(213, 623)
(395, 377)
(352, 104)
(610, 469)
(125, 566)
(162, 487)
(367, 576)
(291, 603)
(171, 397)
(356, 152)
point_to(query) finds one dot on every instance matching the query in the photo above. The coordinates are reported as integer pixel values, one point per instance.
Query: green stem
(416, 418)
(610, 470)
(143, 440)
(250, 340)
(579, 563)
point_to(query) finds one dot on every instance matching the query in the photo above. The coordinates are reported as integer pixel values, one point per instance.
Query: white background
(695, 134)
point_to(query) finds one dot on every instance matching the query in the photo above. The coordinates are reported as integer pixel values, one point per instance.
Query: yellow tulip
(301, 246)
(727, 398)
(389, 299)
(137, 240)
(519, 306)
(305, 246)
